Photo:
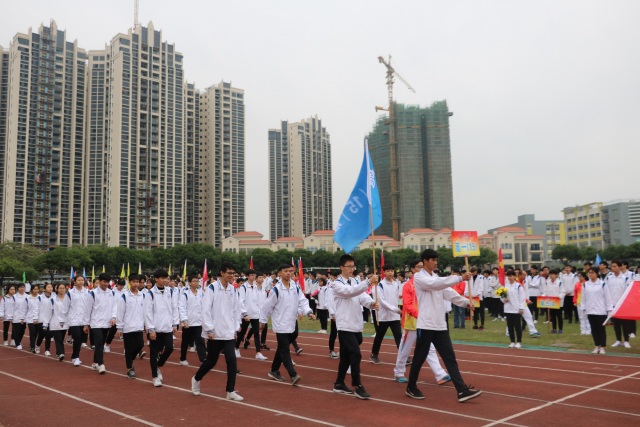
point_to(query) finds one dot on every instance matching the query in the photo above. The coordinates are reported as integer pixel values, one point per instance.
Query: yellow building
(583, 225)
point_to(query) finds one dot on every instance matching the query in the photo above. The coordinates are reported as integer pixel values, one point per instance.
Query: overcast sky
(545, 94)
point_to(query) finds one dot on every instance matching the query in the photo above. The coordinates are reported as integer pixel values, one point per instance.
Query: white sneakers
(184, 363)
(632, 335)
(234, 396)
(107, 349)
(77, 362)
(238, 354)
(192, 349)
(595, 351)
(6, 343)
(160, 377)
(512, 345)
(518, 345)
(47, 353)
(195, 386)
(95, 366)
(37, 350)
(13, 343)
(84, 344)
(19, 347)
(322, 331)
(616, 344)
(102, 369)
(260, 356)
(157, 382)
(626, 344)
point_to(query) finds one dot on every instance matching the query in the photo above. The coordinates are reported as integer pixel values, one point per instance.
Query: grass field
(494, 334)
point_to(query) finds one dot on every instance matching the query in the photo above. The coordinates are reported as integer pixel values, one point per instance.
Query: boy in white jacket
(130, 323)
(100, 315)
(515, 304)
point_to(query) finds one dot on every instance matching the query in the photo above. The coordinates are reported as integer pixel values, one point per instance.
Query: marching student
(190, 309)
(585, 329)
(262, 297)
(526, 314)
(130, 323)
(283, 304)
(33, 313)
(55, 318)
(20, 308)
(161, 318)
(221, 314)
(75, 318)
(555, 288)
(331, 307)
(389, 312)
(409, 322)
(514, 306)
(431, 327)
(100, 314)
(597, 304)
(322, 308)
(6, 313)
(118, 290)
(44, 306)
(478, 286)
(349, 299)
(617, 284)
(250, 300)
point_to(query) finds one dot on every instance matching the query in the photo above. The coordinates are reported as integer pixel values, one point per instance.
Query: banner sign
(465, 243)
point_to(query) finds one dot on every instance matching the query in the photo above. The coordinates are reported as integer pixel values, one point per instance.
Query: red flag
(293, 263)
(500, 267)
(628, 308)
(300, 274)
(251, 264)
(205, 274)
(382, 262)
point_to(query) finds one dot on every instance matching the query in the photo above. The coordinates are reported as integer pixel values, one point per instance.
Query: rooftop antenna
(136, 7)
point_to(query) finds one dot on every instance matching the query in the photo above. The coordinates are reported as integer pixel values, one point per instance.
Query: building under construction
(425, 191)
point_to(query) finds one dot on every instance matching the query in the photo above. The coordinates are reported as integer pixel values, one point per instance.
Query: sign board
(465, 243)
(549, 302)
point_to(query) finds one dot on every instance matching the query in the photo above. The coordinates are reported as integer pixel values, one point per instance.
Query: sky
(545, 94)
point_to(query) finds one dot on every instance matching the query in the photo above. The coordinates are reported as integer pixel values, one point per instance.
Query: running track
(521, 388)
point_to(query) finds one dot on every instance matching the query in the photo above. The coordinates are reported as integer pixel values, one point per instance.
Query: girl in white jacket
(33, 311)
(20, 309)
(55, 320)
(6, 312)
(597, 303)
(514, 305)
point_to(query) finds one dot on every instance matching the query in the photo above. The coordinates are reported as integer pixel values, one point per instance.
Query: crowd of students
(218, 317)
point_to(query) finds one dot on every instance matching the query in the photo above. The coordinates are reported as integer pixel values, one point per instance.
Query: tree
(566, 253)
(10, 267)
(323, 258)
(446, 259)
(402, 257)
(487, 257)
(264, 260)
(53, 262)
(588, 253)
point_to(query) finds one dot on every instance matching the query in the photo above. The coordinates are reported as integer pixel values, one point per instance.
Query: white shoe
(349, 370)
(107, 349)
(157, 382)
(84, 345)
(238, 354)
(502, 319)
(260, 356)
(77, 362)
(95, 366)
(616, 344)
(174, 337)
(626, 344)
(373, 336)
(518, 345)
(512, 345)
(595, 351)
(535, 321)
(192, 349)
(37, 350)
(102, 369)
(234, 396)
(6, 343)
(13, 343)
(602, 350)
(19, 347)
(160, 377)
(195, 386)
(148, 342)
(632, 335)
(294, 363)
(184, 363)
(47, 353)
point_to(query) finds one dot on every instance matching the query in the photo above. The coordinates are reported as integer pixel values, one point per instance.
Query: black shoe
(361, 393)
(298, 350)
(238, 372)
(409, 361)
(295, 380)
(468, 394)
(61, 357)
(264, 347)
(475, 327)
(342, 389)
(142, 354)
(374, 359)
(275, 375)
(414, 393)
(131, 373)
(246, 344)
(481, 328)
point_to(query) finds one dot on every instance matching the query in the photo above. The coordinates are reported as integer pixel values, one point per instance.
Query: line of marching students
(218, 317)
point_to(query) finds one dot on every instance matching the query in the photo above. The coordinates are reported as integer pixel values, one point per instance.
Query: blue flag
(598, 260)
(72, 275)
(354, 224)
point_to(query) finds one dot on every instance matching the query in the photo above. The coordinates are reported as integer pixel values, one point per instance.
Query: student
(514, 305)
(6, 313)
(250, 301)
(55, 319)
(431, 327)
(409, 322)
(389, 312)
(44, 305)
(20, 308)
(477, 290)
(534, 288)
(190, 308)
(493, 299)
(221, 314)
(262, 297)
(349, 299)
(283, 304)
(585, 329)
(100, 315)
(555, 288)
(130, 323)
(617, 284)
(322, 307)
(117, 293)
(33, 312)
(526, 314)
(624, 269)
(330, 301)
(77, 306)
(597, 304)
(161, 320)
(569, 279)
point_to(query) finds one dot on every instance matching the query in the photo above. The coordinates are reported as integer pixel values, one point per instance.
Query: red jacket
(409, 306)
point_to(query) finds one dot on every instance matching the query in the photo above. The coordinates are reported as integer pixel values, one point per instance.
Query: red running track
(521, 387)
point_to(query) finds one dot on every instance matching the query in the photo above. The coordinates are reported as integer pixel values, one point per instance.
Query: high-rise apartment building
(4, 98)
(424, 167)
(300, 191)
(44, 122)
(222, 163)
(191, 198)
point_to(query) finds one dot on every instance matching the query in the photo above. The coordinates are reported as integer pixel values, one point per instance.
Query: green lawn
(494, 334)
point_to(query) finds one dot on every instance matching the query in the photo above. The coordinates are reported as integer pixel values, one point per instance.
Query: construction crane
(393, 158)
(136, 8)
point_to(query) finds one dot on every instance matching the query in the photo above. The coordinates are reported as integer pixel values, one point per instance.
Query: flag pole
(466, 267)
(373, 239)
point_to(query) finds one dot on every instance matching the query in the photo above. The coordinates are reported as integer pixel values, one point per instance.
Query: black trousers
(479, 313)
(569, 308)
(133, 344)
(350, 356)
(533, 307)
(396, 329)
(333, 335)
(17, 332)
(58, 338)
(283, 356)
(99, 337)
(111, 334)
(193, 334)
(255, 328)
(598, 330)
(514, 326)
(162, 344)
(76, 334)
(35, 330)
(214, 347)
(263, 334)
(365, 314)
(44, 335)
(323, 316)
(621, 327)
(442, 343)
(5, 330)
(556, 318)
